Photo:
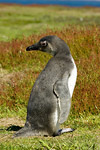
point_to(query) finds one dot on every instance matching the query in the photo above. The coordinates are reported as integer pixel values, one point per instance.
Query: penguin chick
(50, 99)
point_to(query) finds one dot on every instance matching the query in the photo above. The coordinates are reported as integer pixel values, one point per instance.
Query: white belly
(72, 79)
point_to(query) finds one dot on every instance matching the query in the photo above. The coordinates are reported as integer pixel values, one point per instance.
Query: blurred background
(23, 15)
(56, 2)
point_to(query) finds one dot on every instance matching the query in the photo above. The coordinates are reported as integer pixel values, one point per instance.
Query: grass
(33, 20)
(86, 136)
(79, 28)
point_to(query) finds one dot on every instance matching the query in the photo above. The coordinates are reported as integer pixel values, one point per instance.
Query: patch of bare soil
(2, 72)
(6, 77)
(6, 122)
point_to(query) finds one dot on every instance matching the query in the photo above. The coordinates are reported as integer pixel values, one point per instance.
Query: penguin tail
(28, 132)
(24, 132)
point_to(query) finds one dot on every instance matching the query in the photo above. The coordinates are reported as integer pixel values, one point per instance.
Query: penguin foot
(65, 130)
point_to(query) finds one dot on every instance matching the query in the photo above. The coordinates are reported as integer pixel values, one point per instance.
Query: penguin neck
(63, 53)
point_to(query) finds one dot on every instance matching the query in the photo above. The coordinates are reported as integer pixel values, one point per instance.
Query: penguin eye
(43, 43)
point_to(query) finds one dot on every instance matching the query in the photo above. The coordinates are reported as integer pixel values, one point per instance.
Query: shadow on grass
(12, 128)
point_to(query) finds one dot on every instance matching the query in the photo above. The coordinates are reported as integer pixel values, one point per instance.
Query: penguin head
(50, 44)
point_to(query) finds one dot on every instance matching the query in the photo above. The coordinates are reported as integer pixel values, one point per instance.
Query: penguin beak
(32, 47)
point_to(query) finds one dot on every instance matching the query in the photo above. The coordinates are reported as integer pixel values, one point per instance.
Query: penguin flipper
(62, 93)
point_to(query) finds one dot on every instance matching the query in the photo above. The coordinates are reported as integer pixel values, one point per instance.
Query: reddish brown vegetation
(85, 48)
(24, 5)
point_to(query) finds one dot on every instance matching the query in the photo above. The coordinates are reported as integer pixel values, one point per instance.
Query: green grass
(86, 136)
(19, 21)
(79, 28)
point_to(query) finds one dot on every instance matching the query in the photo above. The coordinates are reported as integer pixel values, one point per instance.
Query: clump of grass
(24, 67)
